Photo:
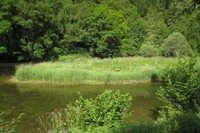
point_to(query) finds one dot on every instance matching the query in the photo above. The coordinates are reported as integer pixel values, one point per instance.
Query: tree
(193, 33)
(46, 29)
(74, 19)
(176, 45)
(7, 39)
(111, 32)
(102, 31)
(156, 32)
(181, 18)
(5, 27)
(38, 35)
(138, 31)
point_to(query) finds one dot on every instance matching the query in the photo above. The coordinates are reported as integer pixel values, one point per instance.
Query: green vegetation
(46, 29)
(176, 45)
(181, 90)
(181, 95)
(178, 124)
(101, 114)
(79, 71)
(8, 126)
(43, 30)
(106, 112)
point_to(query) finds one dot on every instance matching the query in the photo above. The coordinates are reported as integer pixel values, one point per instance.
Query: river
(37, 99)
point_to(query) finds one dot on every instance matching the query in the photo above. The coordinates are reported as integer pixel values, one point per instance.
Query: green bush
(103, 113)
(181, 96)
(181, 90)
(176, 45)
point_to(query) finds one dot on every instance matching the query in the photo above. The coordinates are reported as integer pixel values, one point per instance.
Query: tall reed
(117, 70)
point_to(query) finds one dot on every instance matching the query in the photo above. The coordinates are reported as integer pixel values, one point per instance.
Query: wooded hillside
(47, 29)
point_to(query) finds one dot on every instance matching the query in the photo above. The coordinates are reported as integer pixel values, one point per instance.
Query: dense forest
(47, 29)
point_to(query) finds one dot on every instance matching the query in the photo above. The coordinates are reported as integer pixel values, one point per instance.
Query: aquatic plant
(8, 126)
(95, 71)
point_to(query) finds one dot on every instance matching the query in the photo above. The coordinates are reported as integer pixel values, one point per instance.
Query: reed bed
(95, 71)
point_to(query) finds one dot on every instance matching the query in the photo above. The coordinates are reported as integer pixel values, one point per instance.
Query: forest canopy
(47, 29)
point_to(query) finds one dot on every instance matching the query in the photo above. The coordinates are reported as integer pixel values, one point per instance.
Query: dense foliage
(47, 29)
(176, 45)
(182, 89)
(101, 114)
(181, 93)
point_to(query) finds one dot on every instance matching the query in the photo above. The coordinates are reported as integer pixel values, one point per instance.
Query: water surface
(39, 99)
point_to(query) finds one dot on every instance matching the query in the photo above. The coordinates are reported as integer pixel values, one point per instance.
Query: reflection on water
(39, 99)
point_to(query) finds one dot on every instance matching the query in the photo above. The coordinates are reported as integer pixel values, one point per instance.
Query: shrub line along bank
(96, 71)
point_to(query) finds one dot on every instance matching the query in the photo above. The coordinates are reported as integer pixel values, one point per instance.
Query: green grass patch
(95, 71)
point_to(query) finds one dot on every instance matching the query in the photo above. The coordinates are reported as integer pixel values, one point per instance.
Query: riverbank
(95, 71)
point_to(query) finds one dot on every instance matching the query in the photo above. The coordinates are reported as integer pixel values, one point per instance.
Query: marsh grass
(95, 71)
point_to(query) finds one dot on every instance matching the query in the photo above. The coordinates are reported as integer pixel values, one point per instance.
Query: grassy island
(95, 71)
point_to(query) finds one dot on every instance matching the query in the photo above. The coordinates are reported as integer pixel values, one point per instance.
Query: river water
(40, 99)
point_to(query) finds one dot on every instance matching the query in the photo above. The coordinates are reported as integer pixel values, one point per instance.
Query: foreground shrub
(105, 112)
(182, 89)
(181, 93)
